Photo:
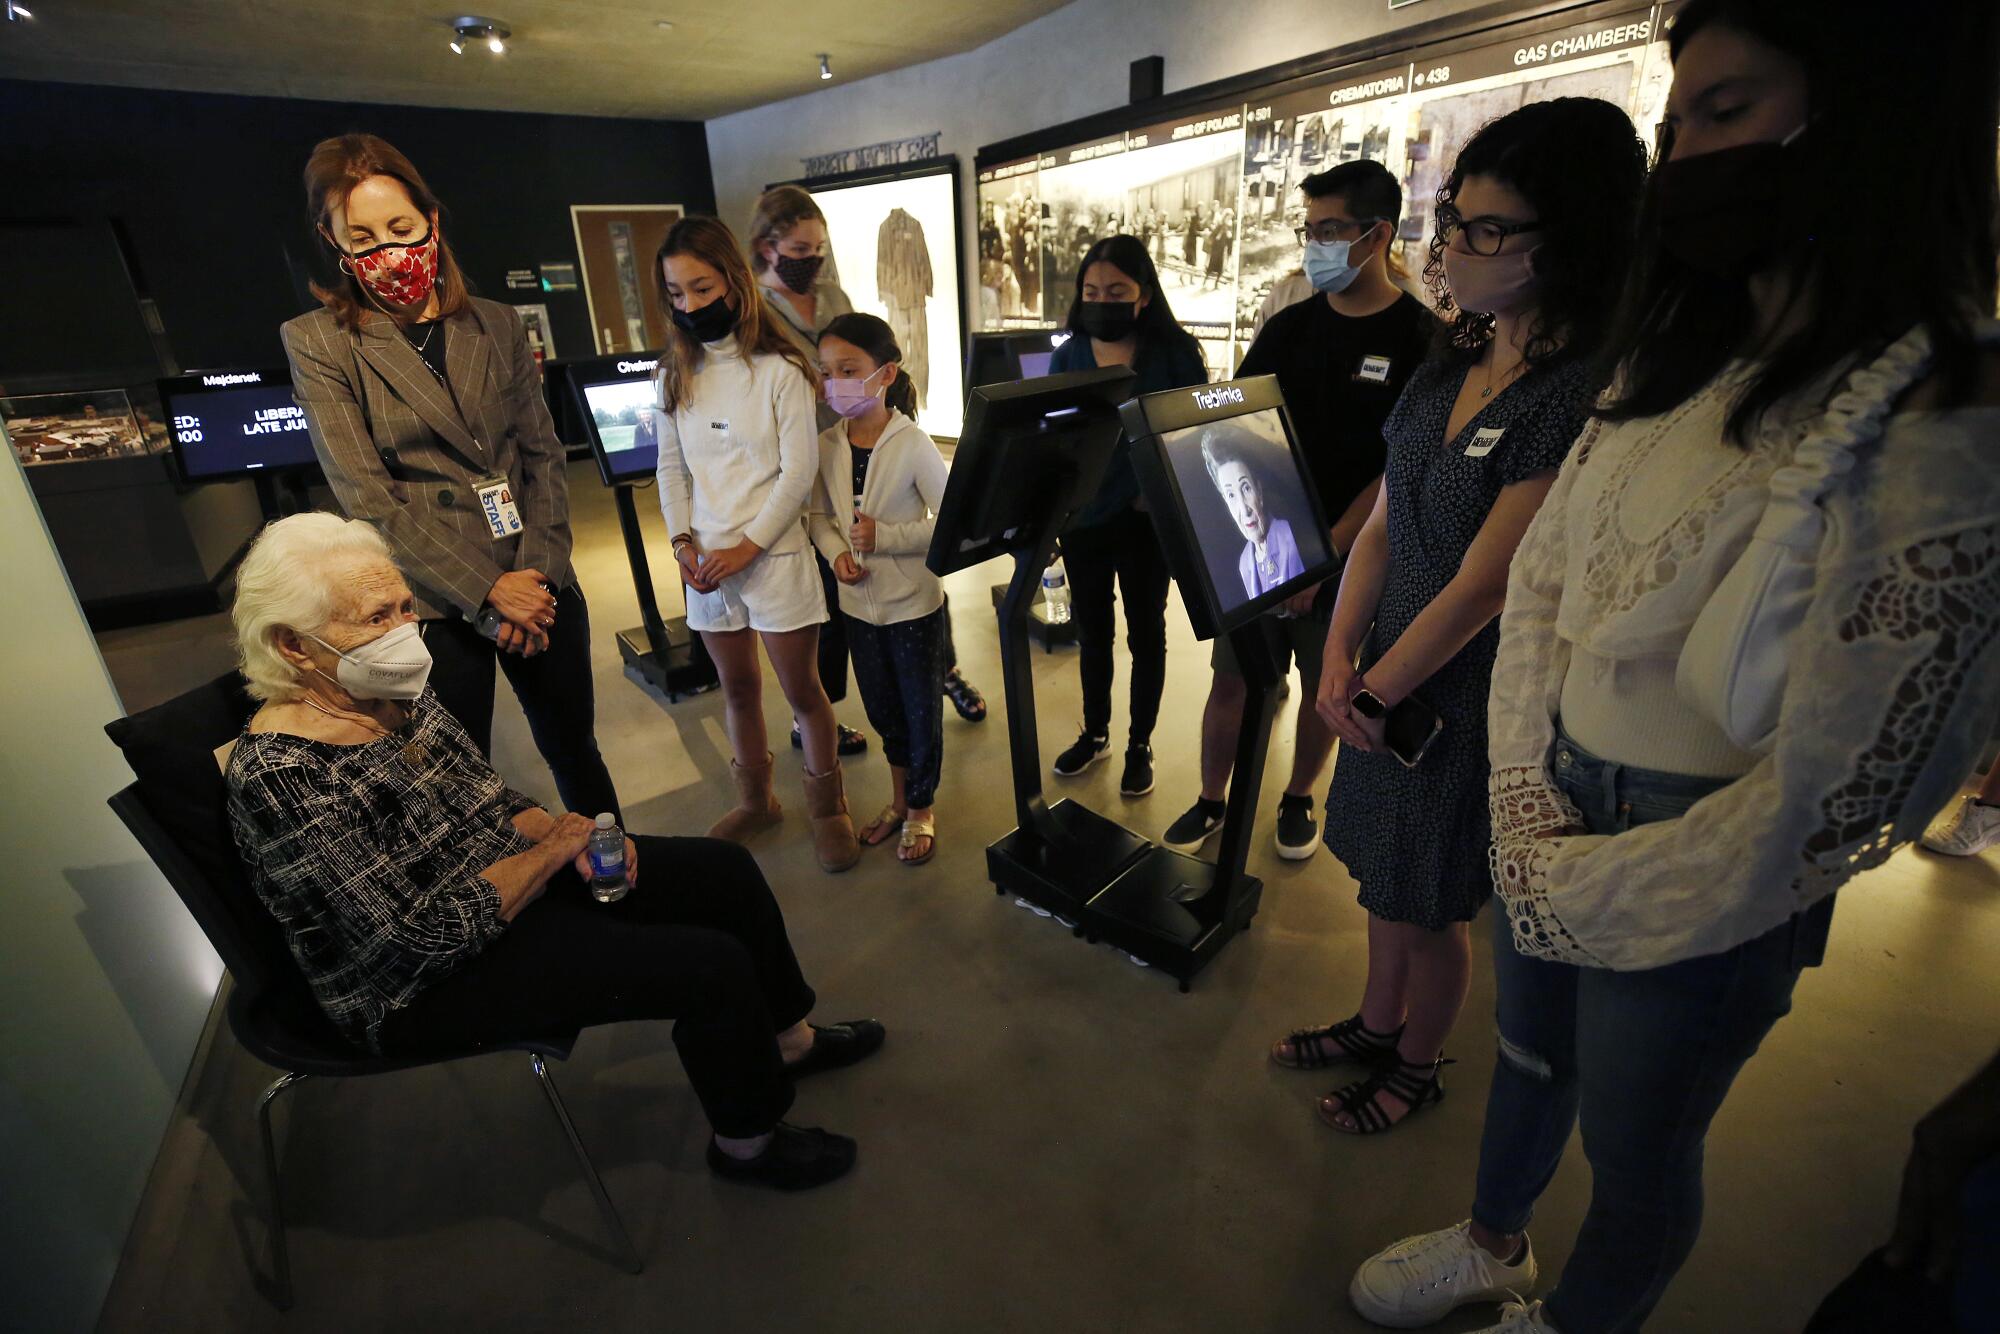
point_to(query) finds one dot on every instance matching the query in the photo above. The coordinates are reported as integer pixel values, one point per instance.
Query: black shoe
(851, 742)
(1187, 834)
(797, 1158)
(1137, 780)
(1298, 832)
(837, 1045)
(965, 697)
(1087, 751)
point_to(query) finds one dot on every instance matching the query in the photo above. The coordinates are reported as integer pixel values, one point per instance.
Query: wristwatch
(1368, 704)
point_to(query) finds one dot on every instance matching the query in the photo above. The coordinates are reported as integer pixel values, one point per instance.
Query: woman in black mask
(1751, 643)
(1121, 318)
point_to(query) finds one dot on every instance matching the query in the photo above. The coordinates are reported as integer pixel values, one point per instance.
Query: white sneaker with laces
(1519, 1317)
(1421, 1280)
(1967, 831)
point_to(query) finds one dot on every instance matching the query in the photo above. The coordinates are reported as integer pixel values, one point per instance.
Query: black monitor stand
(670, 657)
(283, 492)
(1173, 911)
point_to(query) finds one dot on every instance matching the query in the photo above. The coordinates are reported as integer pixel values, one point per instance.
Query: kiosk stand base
(1171, 911)
(680, 667)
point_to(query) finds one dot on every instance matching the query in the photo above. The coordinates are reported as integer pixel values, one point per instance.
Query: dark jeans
(832, 637)
(1125, 549)
(900, 669)
(1645, 1058)
(554, 688)
(698, 940)
(948, 651)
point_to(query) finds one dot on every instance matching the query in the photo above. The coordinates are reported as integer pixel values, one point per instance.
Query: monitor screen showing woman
(1248, 505)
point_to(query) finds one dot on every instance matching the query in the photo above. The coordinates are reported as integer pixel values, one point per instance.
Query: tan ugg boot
(756, 805)
(834, 842)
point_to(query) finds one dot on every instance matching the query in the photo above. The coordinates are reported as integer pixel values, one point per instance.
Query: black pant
(1126, 548)
(948, 651)
(832, 637)
(554, 688)
(900, 670)
(699, 940)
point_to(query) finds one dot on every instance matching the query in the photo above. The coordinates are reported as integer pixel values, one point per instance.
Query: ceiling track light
(825, 67)
(15, 13)
(470, 28)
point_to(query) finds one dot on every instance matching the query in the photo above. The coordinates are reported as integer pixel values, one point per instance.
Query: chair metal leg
(623, 1242)
(281, 1260)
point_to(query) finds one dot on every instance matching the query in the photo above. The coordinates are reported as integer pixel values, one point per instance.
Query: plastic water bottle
(608, 880)
(1055, 592)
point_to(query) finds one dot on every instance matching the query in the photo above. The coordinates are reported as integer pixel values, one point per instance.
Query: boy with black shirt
(1341, 358)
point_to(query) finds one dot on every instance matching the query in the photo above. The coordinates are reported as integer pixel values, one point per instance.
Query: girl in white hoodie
(881, 480)
(737, 464)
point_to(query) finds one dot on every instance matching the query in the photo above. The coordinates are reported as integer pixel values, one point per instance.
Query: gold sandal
(887, 823)
(914, 828)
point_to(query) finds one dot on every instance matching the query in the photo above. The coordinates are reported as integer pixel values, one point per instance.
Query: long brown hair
(710, 241)
(336, 166)
(779, 209)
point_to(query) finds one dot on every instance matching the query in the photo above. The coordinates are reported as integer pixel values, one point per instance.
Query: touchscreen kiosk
(233, 423)
(996, 358)
(1232, 499)
(619, 402)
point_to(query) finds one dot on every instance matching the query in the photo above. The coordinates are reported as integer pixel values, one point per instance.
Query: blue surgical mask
(1327, 268)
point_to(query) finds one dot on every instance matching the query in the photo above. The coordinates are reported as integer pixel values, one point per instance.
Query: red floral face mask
(399, 273)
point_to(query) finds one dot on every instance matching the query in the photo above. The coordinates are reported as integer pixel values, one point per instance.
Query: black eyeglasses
(1329, 230)
(1482, 235)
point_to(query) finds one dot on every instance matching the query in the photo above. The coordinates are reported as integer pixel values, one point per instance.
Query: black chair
(177, 810)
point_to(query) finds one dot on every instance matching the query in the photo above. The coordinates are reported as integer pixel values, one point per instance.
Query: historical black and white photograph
(1010, 247)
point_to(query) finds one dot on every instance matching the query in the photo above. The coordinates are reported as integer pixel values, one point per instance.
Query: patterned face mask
(398, 273)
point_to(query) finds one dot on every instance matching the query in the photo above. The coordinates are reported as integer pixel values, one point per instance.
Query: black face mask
(798, 274)
(1728, 213)
(710, 323)
(1108, 321)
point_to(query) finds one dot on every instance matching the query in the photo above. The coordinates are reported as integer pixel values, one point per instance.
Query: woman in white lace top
(1806, 409)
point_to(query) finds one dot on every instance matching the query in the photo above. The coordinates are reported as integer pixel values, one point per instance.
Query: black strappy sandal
(965, 697)
(1354, 1041)
(1419, 1086)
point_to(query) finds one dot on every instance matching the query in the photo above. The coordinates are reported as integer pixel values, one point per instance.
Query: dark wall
(207, 188)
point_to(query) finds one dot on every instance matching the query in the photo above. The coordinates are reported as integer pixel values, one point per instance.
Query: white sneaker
(1967, 831)
(1421, 1280)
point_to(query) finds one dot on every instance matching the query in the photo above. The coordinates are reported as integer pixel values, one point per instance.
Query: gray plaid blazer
(403, 453)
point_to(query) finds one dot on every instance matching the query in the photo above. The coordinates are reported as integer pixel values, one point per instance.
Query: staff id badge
(1483, 441)
(496, 502)
(1375, 370)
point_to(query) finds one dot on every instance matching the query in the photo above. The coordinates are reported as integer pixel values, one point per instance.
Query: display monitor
(1231, 497)
(1029, 449)
(997, 358)
(228, 423)
(619, 401)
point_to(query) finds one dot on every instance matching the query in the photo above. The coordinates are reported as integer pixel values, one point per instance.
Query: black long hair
(1158, 330)
(1582, 166)
(1900, 138)
(872, 334)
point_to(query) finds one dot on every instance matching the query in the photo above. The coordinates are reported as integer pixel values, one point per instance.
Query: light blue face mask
(1326, 265)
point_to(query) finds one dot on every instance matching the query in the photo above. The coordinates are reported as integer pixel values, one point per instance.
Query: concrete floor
(1054, 1139)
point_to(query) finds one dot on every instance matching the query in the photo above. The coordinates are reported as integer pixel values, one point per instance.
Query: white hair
(286, 582)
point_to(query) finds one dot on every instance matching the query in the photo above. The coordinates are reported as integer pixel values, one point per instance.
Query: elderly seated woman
(430, 905)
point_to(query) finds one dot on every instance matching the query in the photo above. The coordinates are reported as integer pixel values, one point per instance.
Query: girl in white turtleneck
(738, 454)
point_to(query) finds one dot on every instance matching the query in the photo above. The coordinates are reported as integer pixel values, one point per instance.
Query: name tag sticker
(1374, 369)
(1483, 441)
(496, 502)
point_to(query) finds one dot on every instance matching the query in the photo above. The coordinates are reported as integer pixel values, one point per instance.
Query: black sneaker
(851, 742)
(1298, 832)
(1187, 834)
(1137, 780)
(1087, 751)
(797, 1158)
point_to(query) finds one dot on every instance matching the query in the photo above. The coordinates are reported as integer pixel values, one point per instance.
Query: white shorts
(778, 591)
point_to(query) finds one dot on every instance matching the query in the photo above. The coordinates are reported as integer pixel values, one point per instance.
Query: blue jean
(900, 669)
(1643, 1058)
